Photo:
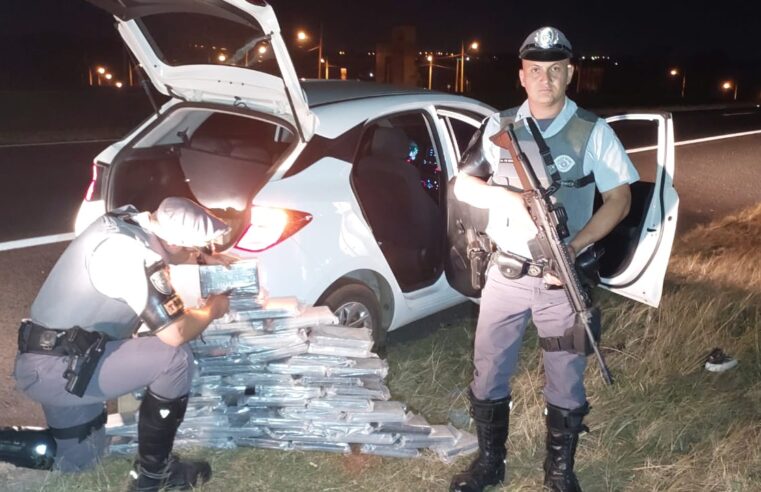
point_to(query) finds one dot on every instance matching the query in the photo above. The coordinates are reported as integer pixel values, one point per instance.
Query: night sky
(676, 28)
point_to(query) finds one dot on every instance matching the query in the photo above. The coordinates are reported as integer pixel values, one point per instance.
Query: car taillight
(270, 226)
(93, 191)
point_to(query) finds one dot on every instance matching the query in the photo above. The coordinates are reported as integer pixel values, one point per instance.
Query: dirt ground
(23, 271)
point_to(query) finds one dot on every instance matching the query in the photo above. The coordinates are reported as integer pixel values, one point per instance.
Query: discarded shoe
(718, 361)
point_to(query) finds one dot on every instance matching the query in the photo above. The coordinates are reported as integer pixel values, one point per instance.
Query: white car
(340, 189)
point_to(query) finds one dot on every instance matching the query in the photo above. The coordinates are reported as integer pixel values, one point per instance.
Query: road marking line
(697, 140)
(36, 241)
(43, 144)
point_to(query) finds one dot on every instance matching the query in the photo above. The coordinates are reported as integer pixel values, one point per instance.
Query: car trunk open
(218, 159)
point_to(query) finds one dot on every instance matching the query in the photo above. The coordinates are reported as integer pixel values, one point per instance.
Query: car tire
(357, 305)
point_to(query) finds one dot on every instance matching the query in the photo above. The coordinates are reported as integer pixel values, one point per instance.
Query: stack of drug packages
(276, 374)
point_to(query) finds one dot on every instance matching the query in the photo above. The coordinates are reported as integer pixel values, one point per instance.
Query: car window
(403, 140)
(462, 133)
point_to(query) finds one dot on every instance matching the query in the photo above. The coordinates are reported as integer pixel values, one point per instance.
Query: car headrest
(390, 142)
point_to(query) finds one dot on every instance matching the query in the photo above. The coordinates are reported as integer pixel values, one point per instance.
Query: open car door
(222, 51)
(637, 251)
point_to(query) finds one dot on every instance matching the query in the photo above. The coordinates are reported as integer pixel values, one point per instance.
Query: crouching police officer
(587, 154)
(80, 348)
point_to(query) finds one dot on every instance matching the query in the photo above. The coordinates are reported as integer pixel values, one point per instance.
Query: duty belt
(37, 339)
(514, 266)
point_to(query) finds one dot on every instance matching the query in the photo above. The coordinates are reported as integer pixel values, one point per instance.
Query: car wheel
(357, 306)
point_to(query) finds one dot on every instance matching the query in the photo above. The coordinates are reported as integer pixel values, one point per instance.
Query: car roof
(324, 92)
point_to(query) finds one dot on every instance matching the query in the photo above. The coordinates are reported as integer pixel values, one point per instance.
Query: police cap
(183, 222)
(546, 44)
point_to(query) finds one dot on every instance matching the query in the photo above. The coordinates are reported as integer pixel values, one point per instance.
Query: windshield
(199, 39)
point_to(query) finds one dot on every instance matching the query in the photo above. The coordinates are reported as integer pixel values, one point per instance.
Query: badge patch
(160, 280)
(564, 163)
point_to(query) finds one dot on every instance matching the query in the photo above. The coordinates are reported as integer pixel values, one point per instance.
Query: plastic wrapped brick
(256, 442)
(341, 404)
(290, 391)
(276, 307)
(361, 368)
(440, 434)
(309, 316)
(342, 336)
(383, 411)
(342, 448)
(277, 353)
(241, 277)
(263, 341)
(465, 443)
(122, 445)
(319, 349)
(260, 378)
(412, 423)
(391, 451)
(218, 327)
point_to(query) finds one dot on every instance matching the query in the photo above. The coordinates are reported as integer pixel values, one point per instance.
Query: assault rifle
(539, 180)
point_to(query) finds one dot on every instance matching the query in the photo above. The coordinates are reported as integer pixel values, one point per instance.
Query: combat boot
(563, 429)
(492, 418)
(155, 467)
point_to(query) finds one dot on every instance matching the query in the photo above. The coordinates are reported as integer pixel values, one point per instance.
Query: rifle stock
(550, 220)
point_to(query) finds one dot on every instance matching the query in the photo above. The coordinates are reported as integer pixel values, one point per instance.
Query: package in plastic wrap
(256, 442)
(122, 445)
(218, 327)
(328, 381)
(241, 277)
(391, 451)
(274, 307)
(277, 353)
(465, 443)
(264, 341)
(309, 316)
(275, 401)
(341, 404)
(274, 419)
(260, 378)
(313, 414)
(342, 448)
(440, 434)
(383, 411)
(374, 392)
(290, 391)
(361, 368)
(341, 336)
(412, 423)
(217, 442)
(318, 349)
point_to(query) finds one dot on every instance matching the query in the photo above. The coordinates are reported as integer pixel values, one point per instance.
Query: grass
(666, 424)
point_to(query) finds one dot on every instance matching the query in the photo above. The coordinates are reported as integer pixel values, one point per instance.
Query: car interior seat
(405, 220)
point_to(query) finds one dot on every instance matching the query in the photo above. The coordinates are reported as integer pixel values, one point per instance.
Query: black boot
(155, 468)
(563, 429)
(492, 419)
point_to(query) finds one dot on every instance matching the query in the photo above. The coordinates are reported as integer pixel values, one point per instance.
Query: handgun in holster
(478, 255)
(84, 348)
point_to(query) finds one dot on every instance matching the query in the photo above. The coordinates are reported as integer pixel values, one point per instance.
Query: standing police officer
(587, 154)
(108, 282)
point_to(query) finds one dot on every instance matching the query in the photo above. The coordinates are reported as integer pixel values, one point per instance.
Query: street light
(729, 85)
(459, 85)
(674, 72)
(302, 36)
(430, 71)
(221, 57)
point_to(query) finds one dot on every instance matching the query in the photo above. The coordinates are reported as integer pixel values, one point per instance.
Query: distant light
(674, 71)
(101, 70)
(119, 85)
(474, 45)
(467, 58)
(615, 63)
(429, 58)
(262, 49)
(41, 449)
(109, 76)
(372, 75)
(727, 85)
(222, 57)
(322, 60)
(301, 36)
(342, 52)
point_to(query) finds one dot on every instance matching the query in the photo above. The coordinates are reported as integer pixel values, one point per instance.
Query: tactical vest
(68, 298)
(568, 148)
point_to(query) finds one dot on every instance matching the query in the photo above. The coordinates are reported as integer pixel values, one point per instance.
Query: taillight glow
(93, 183)
(270, 226)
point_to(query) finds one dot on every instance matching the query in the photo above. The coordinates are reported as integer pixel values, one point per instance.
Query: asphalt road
(42, 188)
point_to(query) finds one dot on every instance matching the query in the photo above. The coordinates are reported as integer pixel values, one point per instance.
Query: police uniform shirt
(604, 156)
(117, 270)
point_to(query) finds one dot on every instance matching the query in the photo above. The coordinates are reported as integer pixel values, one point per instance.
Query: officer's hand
(512, 203)
(551, 279)
(216, 259)
(218, 305)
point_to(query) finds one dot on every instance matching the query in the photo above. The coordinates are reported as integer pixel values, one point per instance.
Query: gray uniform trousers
(126, 366)
(505, 309)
